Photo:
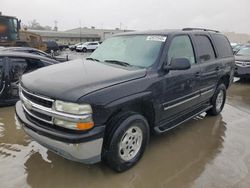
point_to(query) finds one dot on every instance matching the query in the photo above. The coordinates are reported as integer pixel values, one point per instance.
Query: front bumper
(242, 71)
(85, 148)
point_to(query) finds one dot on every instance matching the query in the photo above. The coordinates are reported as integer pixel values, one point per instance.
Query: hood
(73, 79)
(242, 58)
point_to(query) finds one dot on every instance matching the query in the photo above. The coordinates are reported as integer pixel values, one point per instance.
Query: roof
(25, 55)
(167, 32)
(62, 34)
(20, 49)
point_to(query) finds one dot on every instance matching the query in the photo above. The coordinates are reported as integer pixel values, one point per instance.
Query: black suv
(134, 84)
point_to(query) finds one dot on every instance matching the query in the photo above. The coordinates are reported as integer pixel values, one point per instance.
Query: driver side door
(181, 87)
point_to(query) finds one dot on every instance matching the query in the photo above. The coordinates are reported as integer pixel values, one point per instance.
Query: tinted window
(204, 48)
(222, 45)
(34, 64)
(17, 68)
(181, 47)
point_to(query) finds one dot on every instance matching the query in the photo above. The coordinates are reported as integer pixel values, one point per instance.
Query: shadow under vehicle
(12, 66)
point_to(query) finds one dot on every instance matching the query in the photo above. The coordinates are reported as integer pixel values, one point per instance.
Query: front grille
(243, 63)
(34, 99)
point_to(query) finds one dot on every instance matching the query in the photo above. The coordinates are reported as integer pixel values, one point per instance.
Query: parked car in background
(236, 47)
(132, 85)
(52, 46)
(73, 47)
(87, 46)
(242, 61)
(63, 46)
(12, 66)
(36, 52)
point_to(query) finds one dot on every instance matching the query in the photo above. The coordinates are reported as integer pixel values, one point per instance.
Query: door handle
(197, 74)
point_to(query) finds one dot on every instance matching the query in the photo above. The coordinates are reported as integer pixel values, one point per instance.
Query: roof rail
(199, 29)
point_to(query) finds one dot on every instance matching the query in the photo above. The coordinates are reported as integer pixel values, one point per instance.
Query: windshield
(134, 50)
(244, 51)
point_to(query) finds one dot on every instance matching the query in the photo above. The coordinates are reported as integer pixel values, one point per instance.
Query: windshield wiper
(93, 59)
(122, 63)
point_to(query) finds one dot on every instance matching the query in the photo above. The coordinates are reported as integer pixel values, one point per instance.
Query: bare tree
(34, 25)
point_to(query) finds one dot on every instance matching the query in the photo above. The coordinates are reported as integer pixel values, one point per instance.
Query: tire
(84, 50)
(218, 100)
(123, 148)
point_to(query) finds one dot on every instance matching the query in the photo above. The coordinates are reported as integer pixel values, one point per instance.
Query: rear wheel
(218, 100)
(126, 141)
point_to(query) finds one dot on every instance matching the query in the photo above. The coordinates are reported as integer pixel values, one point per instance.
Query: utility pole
(80, 23)
(55, 28)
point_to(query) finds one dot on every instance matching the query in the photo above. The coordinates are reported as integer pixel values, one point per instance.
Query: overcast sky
(224, 15)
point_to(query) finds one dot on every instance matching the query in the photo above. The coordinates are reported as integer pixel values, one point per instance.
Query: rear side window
(222, 45)
(204, 48)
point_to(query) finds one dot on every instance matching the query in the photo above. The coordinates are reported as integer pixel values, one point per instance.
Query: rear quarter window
(222, 45)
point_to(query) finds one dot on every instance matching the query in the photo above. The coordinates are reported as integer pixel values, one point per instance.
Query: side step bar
(166, 127)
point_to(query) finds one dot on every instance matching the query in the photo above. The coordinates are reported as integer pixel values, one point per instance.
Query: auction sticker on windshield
(157, 38)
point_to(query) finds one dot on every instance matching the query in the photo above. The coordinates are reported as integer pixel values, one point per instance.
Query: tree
(34, 25)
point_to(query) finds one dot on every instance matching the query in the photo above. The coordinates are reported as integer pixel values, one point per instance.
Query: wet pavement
(207, 152)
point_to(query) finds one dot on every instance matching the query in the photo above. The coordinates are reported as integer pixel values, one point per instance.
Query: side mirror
(178, 64)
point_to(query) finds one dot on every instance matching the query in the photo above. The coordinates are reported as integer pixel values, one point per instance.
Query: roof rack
(199, 29)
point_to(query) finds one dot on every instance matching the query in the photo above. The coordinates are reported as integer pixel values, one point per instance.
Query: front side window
(134, 50)
(204, 48)
(181, 47)
(17, 69)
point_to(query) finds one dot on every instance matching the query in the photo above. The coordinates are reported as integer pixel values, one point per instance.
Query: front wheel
(218, 100)
(84, 50)
(127, 142)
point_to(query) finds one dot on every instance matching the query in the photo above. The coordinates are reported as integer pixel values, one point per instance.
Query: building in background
(238, 37)
(102, 33)
(85, 34)
(77, 35)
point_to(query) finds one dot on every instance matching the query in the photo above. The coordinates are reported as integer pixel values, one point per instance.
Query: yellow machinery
(12, 35)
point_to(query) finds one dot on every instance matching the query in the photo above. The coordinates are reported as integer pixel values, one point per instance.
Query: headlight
(72, 108)
(76, 109)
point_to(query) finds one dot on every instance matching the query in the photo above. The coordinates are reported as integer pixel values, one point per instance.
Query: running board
(166, 127)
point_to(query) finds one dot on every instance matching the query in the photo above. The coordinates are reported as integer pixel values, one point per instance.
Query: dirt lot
(204, 152)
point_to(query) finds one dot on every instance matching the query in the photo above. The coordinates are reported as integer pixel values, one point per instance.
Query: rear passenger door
(209, 64)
